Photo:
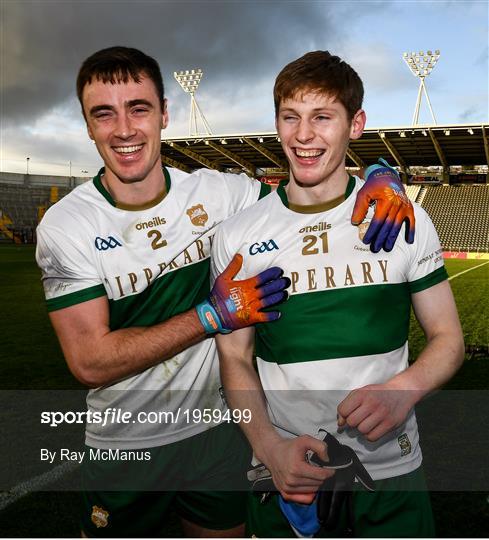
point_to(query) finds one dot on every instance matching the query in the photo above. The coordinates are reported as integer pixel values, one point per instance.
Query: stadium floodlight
(189, 80)
(421, 65)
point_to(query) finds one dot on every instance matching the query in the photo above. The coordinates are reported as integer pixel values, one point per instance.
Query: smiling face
(314, 130)
(125, 122)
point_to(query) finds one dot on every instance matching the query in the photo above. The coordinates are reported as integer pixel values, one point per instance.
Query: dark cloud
(240, 44)
(236, 43)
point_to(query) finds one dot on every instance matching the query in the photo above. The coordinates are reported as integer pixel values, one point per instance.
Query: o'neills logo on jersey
(198, 216)
(323, 226)
(148, 224)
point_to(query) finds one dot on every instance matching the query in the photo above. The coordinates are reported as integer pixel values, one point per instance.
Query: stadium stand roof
(429, 145)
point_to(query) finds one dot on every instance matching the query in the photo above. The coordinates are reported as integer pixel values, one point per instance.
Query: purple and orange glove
(236, 304)
(392, 209)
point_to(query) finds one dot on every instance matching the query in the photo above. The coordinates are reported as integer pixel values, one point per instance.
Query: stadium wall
(41, 180)
(465, 255)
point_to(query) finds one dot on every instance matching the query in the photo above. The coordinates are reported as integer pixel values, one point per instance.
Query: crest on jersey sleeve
(197, 214)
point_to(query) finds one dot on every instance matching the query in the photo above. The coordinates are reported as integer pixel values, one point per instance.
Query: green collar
(97, 182)
(314, 208)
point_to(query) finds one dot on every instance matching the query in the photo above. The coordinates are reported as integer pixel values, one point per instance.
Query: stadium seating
(412, 191)
(21, 203)
(460, 215)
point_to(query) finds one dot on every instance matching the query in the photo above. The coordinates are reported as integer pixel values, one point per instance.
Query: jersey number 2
(157, 242)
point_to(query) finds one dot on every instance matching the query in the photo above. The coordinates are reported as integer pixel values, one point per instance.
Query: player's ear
(164, 114)
(358, 124)
(89, 131)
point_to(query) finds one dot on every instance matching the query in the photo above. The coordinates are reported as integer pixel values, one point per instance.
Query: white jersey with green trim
(345, 324)
(152, 263)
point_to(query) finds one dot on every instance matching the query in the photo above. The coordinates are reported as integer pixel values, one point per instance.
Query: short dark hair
(320, 71)
(119, 64)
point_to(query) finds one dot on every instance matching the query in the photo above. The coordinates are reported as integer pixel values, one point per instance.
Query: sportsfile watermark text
(113, 415)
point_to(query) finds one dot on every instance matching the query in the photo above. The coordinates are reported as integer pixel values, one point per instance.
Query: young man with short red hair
(337, 359)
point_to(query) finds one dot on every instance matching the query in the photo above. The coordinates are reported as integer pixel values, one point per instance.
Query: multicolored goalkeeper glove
(392, 209)
(236, 304)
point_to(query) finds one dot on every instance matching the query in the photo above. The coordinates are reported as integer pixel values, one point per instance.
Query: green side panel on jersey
(167, 296)
(77, 297)
(437, 276)
(338, 323)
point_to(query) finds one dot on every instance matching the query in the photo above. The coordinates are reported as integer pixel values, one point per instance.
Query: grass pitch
(31, 359)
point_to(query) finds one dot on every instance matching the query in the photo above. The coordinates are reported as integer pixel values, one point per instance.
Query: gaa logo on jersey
(197, 214)
(103, 244)
(262, 247)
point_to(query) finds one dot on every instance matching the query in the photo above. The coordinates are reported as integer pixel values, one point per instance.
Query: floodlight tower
(189, 81)
(421, 65)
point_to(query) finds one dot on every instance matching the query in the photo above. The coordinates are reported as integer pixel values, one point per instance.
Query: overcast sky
(241, 46)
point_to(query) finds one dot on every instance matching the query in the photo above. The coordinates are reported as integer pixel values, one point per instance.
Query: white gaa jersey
(151, 263)
(345, 324)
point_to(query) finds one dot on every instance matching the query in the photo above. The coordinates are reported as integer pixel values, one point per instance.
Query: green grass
(30, 358)
(471, 292)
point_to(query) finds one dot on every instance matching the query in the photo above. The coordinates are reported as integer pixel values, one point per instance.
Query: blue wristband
(210, 319)
(381, 164)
